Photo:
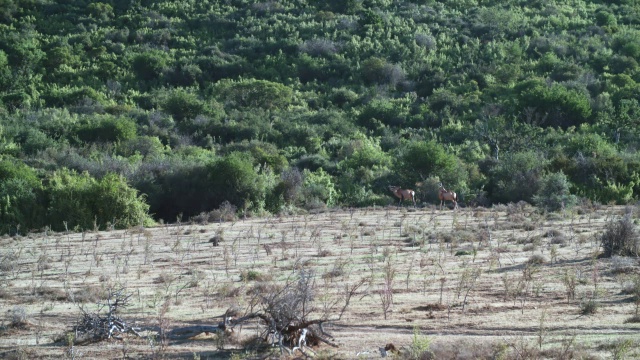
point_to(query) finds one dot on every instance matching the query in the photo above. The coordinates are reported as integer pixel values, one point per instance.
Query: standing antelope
(403, 194)
(446, 195)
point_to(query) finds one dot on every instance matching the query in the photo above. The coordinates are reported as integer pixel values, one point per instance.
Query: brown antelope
(446, 195)
(403, 194)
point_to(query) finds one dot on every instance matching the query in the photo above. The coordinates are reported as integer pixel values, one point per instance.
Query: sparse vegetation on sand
(415, 283)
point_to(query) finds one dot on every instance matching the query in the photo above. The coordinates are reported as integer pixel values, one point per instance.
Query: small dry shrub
(623, 265)
(19, 353)
(226, 212)
(528, 240)
(8, 263)
(324, 253)
(552, 233)
(461, 350)
(253, 275)
(18, 317)
(558, 240)
(50, 293)
(431, 307)
(164, 278)
(466, 236)
(554, 217)
(263, 287)
(201, 219)
(589, 307)
(447, 237)
(536, 259)
(529, 247)
(229, 291)
(517, 219)
(90, 294)
(633, 320)
(620, 238)
(521, 207)
(337, 269)
(44, 263)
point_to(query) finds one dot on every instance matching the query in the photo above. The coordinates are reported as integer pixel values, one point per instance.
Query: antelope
(446, 195)
(403, 194)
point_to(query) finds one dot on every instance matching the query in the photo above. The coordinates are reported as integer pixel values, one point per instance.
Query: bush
(589, 307)
(80, 201)
(234, 179)
(149, 66)
(565, 107)
(107, 129)
(21, 201)
(183, 105)
(318, 189)
(553, 194)
(620, 238)
(420, 160)
(508, 177)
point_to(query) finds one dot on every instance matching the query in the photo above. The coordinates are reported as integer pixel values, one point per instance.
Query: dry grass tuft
(90, 294)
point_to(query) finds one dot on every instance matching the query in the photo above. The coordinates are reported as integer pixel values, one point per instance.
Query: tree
(420, 160)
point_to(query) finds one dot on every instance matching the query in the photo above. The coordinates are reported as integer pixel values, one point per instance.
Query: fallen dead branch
(94, 327)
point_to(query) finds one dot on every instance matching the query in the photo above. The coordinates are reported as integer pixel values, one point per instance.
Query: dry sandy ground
(451, 271)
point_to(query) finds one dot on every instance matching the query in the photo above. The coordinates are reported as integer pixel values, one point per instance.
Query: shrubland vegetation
(118, 113)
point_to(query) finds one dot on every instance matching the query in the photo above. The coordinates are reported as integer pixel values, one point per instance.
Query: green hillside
(111, 111)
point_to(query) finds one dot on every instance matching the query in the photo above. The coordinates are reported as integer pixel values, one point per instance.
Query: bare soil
(474, 283)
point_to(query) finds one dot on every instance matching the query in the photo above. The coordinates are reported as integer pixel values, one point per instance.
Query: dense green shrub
(21, 200)
(318, 189)
(554, 193)
(156, 90)
(78, 201)
(516, 177)
(150, 65)
(557, 105)
(107, 129)
(234, 179)
(421, 160)
(182, 105)
(253, 93)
